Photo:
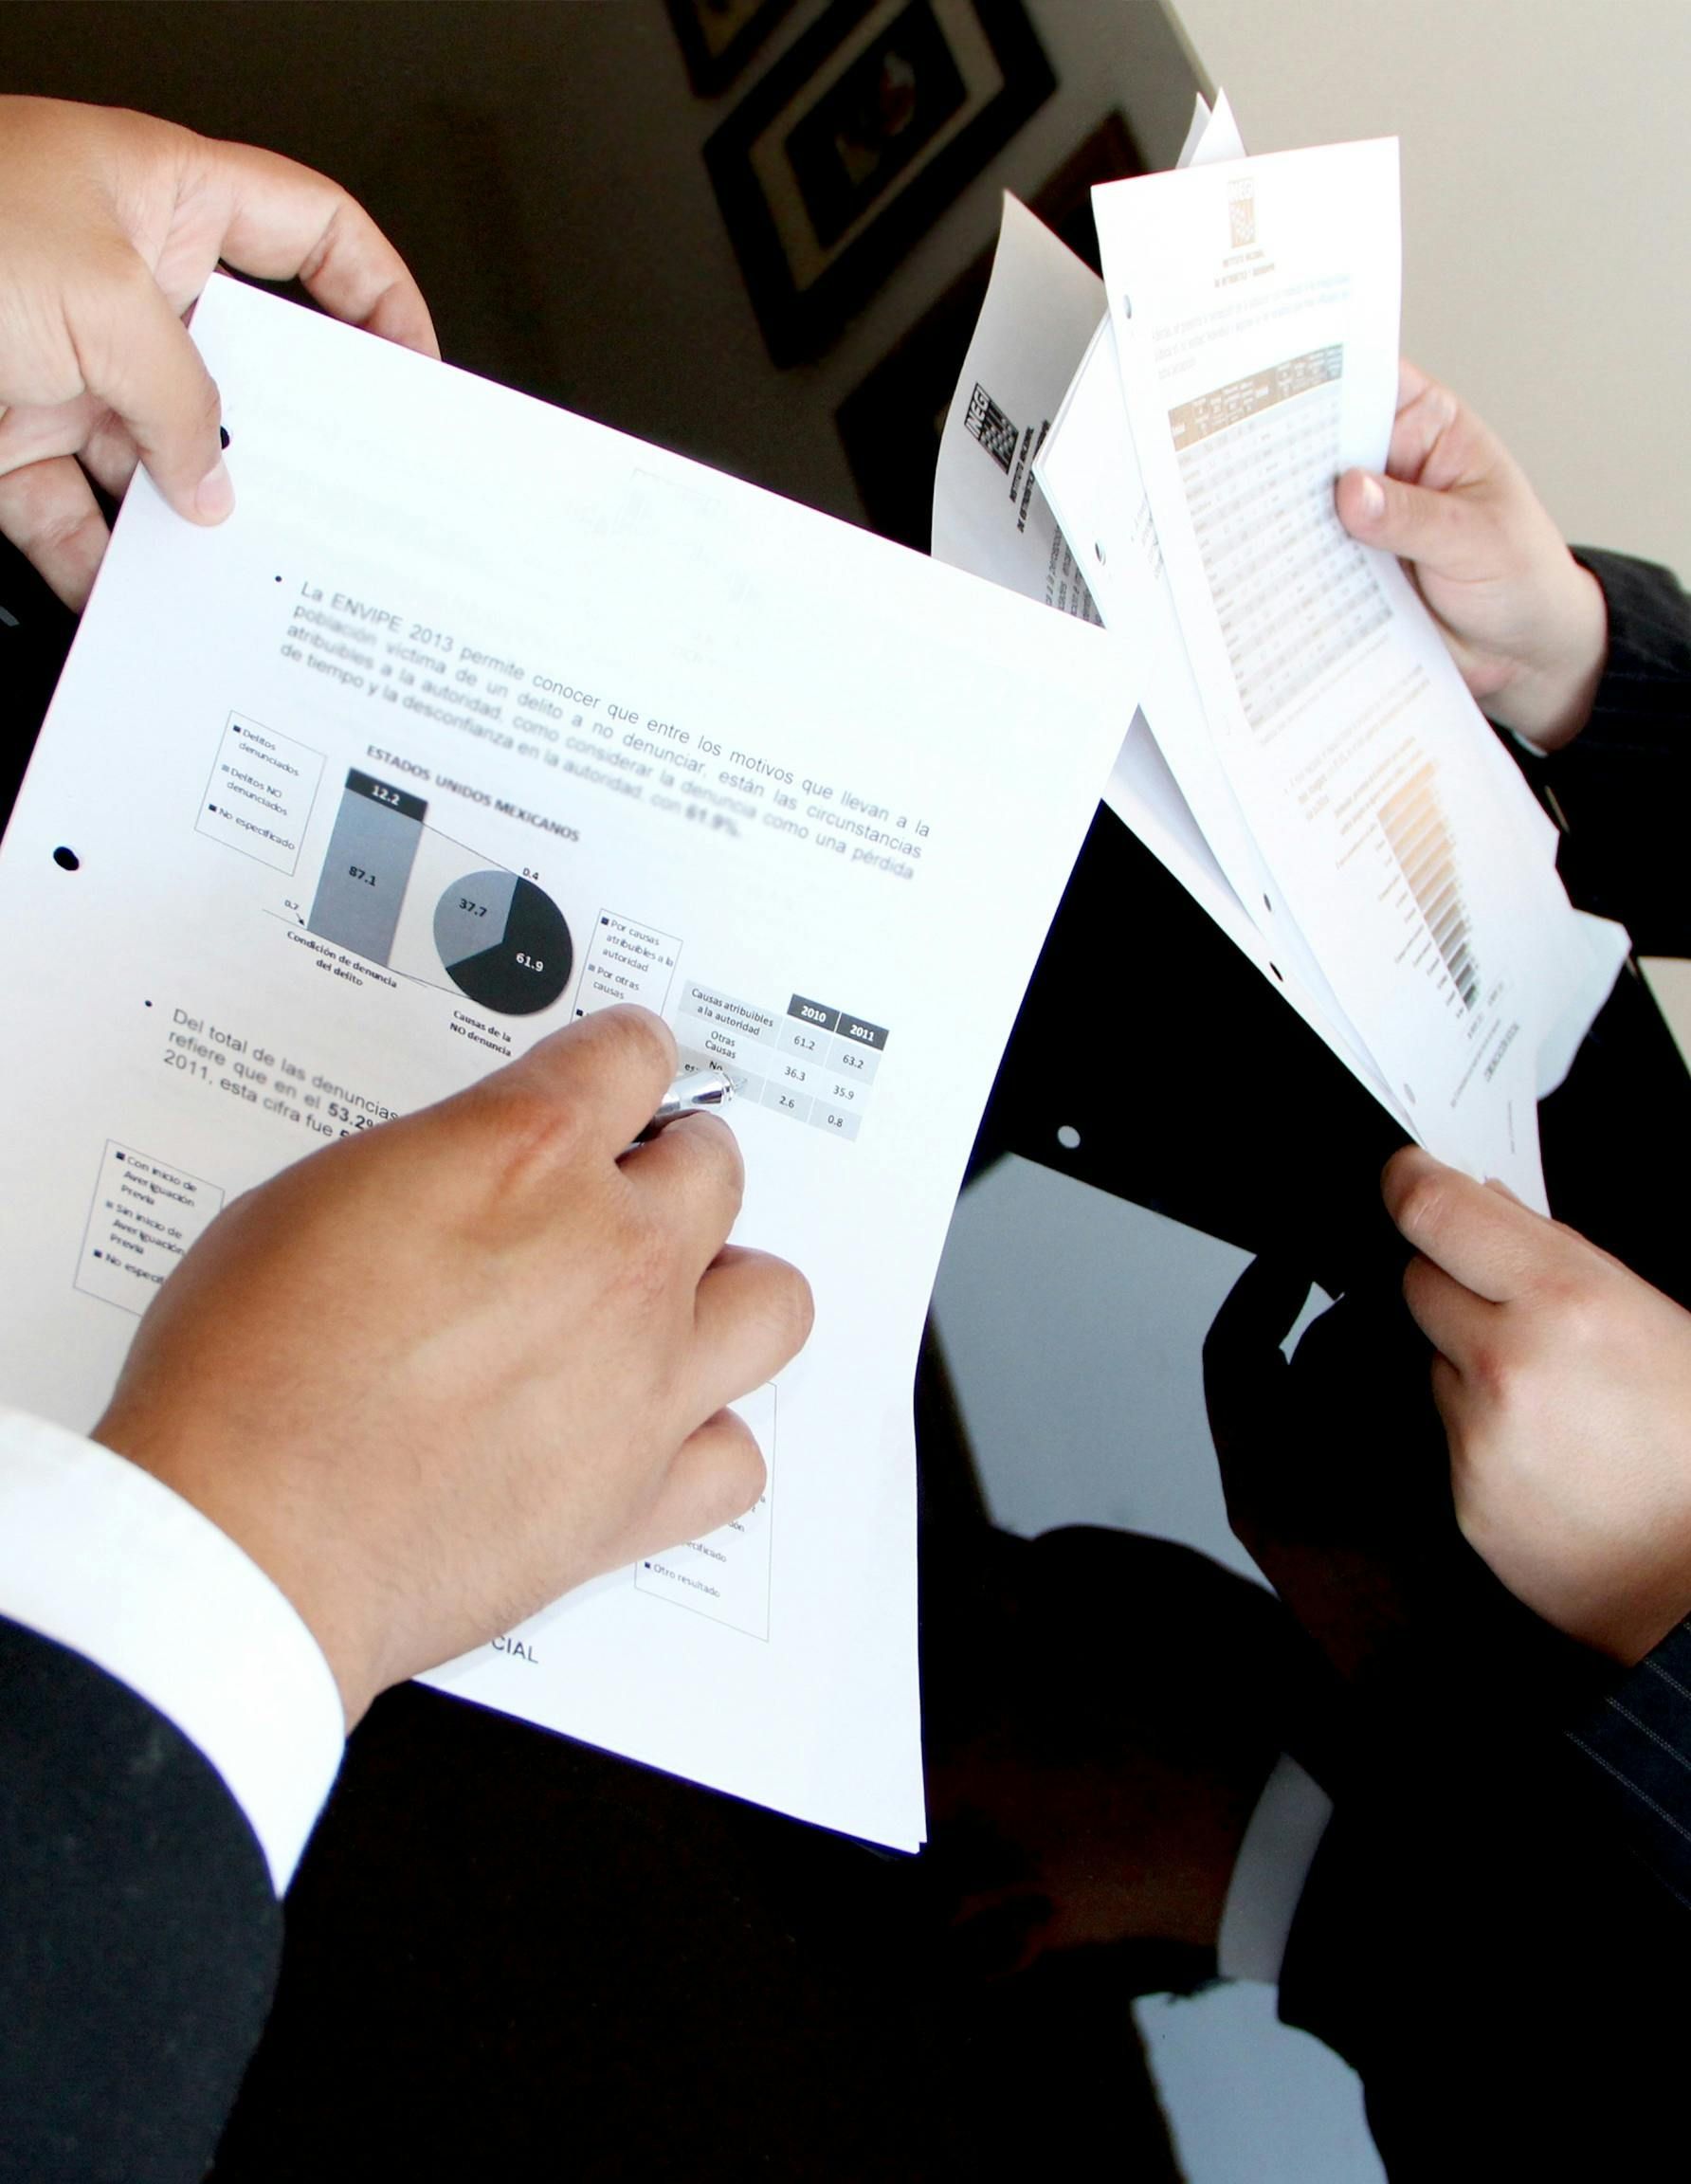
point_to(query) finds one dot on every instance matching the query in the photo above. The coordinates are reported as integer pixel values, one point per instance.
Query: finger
(1458, 1323)
(109, 454)
(31, 432)
(1410, 381)
(1492, 1246)
(607, 1073)
(752, 1314)
(1420, 424)
(1450, 1397)
(694, 1171)
(286, 222)
(85, 427)
(49, 513)
(1413, 522)
(137, 356)
(717, 1474)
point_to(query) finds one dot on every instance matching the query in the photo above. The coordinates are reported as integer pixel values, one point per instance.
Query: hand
(110, 226)
(1565, 1387)
(1524, 621)
(438, 1374)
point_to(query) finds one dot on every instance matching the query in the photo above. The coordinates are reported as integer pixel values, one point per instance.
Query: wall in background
(1547, 228)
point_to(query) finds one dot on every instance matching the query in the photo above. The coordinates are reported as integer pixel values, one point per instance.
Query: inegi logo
(992, 428)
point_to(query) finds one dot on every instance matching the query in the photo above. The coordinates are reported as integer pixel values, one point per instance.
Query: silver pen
(694, 1092)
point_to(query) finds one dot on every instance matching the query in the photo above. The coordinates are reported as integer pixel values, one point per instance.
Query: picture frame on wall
(891, 422)
(718, 37)
(855, 141)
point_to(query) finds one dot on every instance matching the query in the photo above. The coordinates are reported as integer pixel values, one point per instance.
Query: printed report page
(1043, 351)
(1168, 771)
(1042, 307)
(1255, 310)
(474, 719)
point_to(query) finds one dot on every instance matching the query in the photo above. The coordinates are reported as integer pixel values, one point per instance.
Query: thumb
(138, 359)
(1411, 521)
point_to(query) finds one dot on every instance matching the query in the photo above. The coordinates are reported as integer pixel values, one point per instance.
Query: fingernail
(1371, 499)
(214, 497)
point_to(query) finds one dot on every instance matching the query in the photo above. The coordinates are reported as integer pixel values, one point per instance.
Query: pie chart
(504, 942)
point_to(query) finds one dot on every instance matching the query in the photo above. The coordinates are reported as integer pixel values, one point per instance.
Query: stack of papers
(1158, 450)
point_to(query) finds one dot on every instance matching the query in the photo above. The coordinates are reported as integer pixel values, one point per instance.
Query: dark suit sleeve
(1511, 1986)
(140, 1933)
(1626, 785)
(1623, 787)
(1639, 1740)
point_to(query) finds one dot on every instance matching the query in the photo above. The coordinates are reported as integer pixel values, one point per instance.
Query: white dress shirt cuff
(1274, 1860)
(100, 1557)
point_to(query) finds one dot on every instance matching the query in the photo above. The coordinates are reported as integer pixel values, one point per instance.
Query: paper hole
(66, 860)
(223, 435)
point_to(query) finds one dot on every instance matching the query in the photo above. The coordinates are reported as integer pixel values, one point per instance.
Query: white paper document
(1254, 304)
(475, 718)
(1044, 340)
(989, 517)
(1091, 476)
(1212, 132)
(1305, 759)
(1043, 314)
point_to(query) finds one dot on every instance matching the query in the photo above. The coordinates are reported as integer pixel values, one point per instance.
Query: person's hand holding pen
(435, 1375)
(110, 224)
(1524, 622)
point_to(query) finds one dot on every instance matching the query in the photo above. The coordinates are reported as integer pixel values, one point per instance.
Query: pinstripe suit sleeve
(1626, 783)
(1638, 1741)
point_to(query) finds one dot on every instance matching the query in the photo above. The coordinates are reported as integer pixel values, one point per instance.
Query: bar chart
(397, 892)
(1413, 821)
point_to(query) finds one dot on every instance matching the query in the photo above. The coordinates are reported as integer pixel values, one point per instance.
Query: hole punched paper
(477, 717)
(1307, 762)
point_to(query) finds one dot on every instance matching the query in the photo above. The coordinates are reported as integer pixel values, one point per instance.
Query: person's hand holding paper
(110, 226)
(1565, 1386)
(1524, 621)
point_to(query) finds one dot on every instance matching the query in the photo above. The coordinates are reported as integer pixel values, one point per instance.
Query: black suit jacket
(1489, 1932)
(139, 1936)
(1623, 784)
(1626, 787)
(1638, 1740)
